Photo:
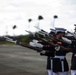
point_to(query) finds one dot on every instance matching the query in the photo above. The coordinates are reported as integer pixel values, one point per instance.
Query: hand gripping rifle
(42, 39)
(45, 50)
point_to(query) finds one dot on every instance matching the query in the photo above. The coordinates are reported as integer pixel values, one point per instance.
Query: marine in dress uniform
(72, 41)
(60, 64)
(49, 52)
(72, 48)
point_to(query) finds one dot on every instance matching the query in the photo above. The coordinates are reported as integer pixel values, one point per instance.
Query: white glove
(36, 44)
(35, 41)
(57, 48)
(32, 44)
(67, 40)
(39, 45)
(43, 52)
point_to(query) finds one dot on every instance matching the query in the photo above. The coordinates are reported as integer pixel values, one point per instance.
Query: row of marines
(56, 49)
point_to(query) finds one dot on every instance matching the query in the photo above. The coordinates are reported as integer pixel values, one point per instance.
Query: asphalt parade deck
(17, 60)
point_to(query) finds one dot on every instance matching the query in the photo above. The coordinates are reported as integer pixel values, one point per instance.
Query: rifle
(51, 36)
(44, 51)
(32, 33)
(42, 39)
(40, 50)
(43, 32)
(21, 44)
(10, 40)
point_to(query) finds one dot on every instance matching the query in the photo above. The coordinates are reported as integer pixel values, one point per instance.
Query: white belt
(61, 57)
(62, 63)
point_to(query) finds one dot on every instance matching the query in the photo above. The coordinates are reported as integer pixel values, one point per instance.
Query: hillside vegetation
(21, 38)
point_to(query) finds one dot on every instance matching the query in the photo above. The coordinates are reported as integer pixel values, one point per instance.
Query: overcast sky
(17, 12)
